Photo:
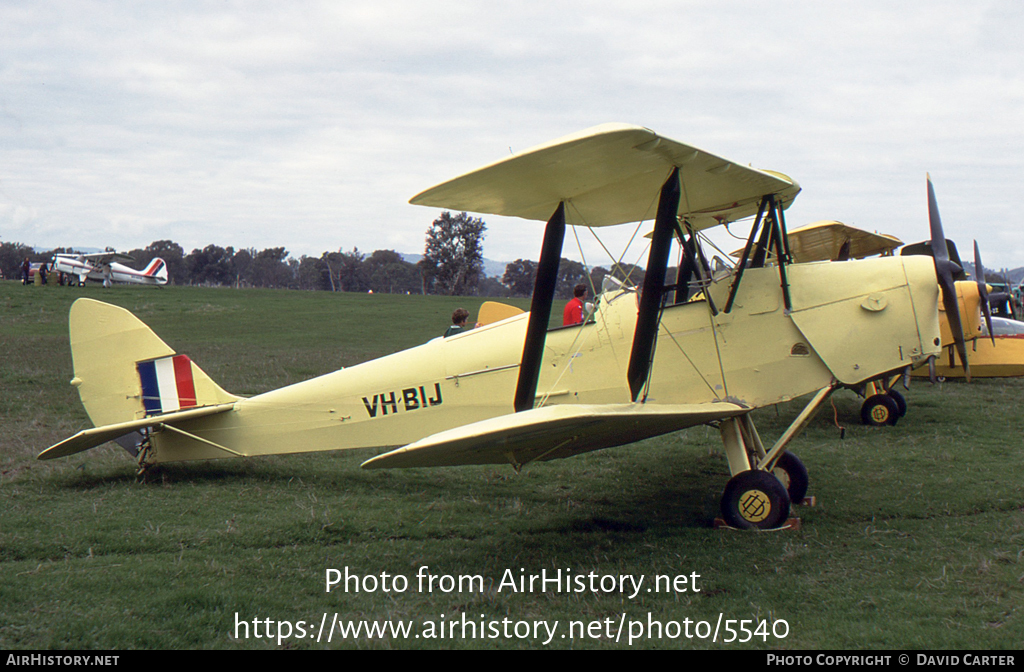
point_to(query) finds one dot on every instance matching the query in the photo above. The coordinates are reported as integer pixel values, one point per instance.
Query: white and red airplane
(101, 267)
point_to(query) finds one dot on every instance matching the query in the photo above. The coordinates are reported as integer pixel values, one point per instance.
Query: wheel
(901, 403)
(879, 410)
(792, 473)
(755, 500)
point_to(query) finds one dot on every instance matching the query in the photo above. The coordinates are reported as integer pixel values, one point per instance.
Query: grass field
(917, 540)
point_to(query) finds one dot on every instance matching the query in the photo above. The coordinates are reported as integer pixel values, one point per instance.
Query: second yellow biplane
(647, 361)
(996, 344)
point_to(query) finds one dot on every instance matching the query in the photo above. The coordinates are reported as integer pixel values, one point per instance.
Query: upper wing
(549, 433)
(103, 258)
(823, 241)
(611, 174)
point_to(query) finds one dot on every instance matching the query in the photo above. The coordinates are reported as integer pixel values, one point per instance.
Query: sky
(310, 125)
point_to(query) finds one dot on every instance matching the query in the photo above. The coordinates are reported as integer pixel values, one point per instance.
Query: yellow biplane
(998, 353)
(647, 361)
(997, 344)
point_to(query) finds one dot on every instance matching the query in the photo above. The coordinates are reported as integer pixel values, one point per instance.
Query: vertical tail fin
(157, 269)
(121, 368)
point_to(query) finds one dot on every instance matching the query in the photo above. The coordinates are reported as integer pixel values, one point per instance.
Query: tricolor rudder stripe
(167, 384)
(154, 267)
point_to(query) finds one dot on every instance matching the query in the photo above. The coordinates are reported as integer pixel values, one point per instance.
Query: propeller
(979, 276)
(944, 271)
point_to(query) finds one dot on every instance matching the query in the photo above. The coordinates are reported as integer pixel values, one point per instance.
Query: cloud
(310, 125)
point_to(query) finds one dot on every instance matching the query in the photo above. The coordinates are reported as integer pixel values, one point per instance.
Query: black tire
(879, 410)
(755, 500)
(792, 473)
(901, 403)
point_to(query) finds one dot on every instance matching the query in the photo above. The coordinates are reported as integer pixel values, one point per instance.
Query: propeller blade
(944, 270)
(986, 308)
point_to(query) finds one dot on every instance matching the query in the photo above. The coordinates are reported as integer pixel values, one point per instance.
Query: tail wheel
(792, 473)
(755, 500)
(879, 410)
(901, 403)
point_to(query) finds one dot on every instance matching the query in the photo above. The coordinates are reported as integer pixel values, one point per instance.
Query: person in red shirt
(574, 309)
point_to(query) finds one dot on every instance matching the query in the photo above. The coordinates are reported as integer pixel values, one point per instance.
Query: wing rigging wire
(617, 263)
(576, 346)
(577, 343)
(706, 282)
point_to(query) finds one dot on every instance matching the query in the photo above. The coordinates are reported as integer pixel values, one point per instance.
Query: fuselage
(849, 322)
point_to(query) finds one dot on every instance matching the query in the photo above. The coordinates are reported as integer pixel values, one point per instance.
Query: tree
(519, 277)
(491, 287)
(270, 268)
(454, 257)
(631, 274)
(388, 272)
(241, 267)
(620, 272)
(522, 273)
(330, 261)
(570, 274)
(309, 273)
(352, 272)
(210, 266)
(11, 257)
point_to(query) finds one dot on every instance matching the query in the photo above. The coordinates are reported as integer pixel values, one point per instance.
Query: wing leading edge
(550, 433)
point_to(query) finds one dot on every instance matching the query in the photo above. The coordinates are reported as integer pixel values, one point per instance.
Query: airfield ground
(917, 540)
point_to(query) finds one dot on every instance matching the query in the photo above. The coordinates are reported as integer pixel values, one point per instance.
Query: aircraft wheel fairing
(879, 410)
(792, 473)
(901, 402)
(755, 500)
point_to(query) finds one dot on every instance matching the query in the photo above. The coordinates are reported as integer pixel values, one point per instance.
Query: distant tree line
(452, 264)
(520, 275)
(216, 266)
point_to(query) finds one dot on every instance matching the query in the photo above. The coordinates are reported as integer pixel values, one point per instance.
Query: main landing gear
(764, 483)
(755, 500)
(882, 407)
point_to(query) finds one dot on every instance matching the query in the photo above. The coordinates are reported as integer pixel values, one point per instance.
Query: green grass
(917, 540)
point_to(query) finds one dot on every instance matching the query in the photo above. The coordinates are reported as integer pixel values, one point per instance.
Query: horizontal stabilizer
(90, 438)
(550, 433)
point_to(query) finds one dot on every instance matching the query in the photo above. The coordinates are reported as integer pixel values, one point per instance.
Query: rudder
(157, 269)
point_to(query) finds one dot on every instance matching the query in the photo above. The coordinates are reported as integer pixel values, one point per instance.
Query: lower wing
(550, 433)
